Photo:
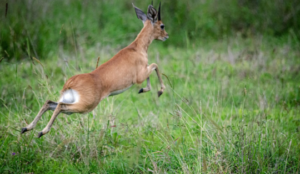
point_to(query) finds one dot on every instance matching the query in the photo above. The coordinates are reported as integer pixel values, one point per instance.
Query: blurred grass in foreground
(230, 106)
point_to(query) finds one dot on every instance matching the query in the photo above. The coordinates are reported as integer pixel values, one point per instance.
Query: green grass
(230, 106)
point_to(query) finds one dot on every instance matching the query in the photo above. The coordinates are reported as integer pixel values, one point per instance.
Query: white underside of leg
(119, 91)
(69, 96)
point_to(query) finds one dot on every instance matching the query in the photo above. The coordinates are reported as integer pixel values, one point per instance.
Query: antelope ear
(140, 14)
(152, 14)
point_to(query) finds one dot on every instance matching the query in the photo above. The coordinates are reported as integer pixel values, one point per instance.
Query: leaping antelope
(82, 93)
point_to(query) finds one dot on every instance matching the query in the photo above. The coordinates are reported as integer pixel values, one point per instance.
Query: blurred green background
(45, 26)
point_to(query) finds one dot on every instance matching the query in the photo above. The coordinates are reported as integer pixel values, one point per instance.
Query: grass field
(231, 106)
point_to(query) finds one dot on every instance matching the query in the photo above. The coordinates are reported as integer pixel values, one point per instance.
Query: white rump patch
(69, 96)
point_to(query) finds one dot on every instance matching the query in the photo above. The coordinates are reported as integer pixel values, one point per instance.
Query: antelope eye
(162, 27)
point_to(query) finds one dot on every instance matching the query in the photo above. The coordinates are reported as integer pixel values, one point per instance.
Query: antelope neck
(145, 37)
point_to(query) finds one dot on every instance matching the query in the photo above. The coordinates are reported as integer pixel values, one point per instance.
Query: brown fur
(126, 68)
(129, 66)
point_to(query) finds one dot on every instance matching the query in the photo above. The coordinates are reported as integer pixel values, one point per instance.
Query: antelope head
(153, 17)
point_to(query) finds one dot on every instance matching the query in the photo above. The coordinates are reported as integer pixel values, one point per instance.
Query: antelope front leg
(162, 86)
(49, 105)
(148, 88)
(147, 73)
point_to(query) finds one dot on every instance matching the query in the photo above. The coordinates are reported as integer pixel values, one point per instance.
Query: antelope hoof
(24, 129)
(159, 93)
(40, 134)
(141, 91)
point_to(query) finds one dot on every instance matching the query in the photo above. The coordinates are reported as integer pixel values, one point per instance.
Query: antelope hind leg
(61, 107)
(49, 105)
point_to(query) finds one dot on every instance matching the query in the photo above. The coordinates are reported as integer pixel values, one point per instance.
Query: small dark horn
(159, 18)
(152, 3)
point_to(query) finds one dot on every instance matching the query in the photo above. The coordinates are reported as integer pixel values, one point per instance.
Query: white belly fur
(69, 96)
(119, 91)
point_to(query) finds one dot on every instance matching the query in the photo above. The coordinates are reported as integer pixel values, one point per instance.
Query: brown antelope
(82, 93)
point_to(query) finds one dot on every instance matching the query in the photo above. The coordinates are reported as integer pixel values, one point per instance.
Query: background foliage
(45, 26)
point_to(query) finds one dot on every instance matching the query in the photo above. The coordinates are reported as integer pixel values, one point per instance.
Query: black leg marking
(24, 129)
(40, 134)
(52, 105)
(141, 91)
(159, 93)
